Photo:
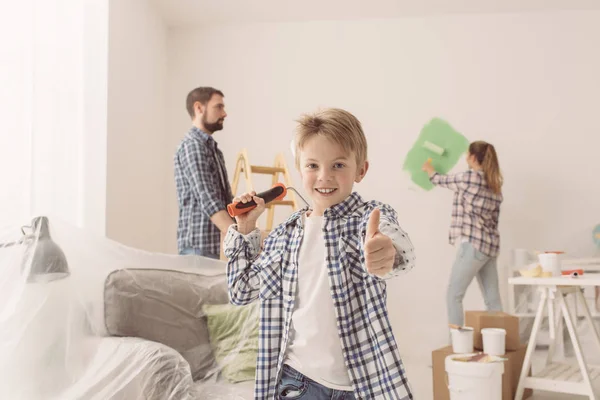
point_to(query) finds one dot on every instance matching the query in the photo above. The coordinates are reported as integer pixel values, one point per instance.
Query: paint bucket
(494, 341)
(474, 380)
(462, 340)
(550, 263)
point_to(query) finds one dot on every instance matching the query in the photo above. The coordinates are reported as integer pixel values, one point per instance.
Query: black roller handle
(277, 192)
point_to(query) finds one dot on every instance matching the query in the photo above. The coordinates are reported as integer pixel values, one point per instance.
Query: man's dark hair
(201, 94)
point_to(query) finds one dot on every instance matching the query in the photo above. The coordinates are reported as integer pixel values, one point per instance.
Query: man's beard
(212, 127)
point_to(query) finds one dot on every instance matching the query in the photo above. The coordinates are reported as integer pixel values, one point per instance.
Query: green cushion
(233, 333)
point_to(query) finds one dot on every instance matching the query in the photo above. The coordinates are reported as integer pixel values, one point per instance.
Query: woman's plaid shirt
(475, 210)
(370, 350)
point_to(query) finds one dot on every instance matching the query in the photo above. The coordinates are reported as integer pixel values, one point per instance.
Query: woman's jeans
(471, 263)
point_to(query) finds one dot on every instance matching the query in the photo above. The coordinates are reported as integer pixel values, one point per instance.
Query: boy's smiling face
(328, 172)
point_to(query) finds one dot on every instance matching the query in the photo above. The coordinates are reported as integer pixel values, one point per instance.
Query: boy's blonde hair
(334, 124)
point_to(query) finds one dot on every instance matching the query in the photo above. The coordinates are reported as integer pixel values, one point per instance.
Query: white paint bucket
(462, 340)
(550, 263)
(494, 341)
(474, 380)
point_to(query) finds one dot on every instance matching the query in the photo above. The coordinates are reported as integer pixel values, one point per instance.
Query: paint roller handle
(277, 192)
(428, 167)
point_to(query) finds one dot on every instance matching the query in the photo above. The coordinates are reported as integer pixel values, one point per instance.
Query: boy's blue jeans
(293, 385)
(471, 263)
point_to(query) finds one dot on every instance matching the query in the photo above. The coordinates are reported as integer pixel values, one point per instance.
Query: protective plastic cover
(121, 324)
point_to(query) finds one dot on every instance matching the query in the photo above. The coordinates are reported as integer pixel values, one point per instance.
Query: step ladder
(243, 167)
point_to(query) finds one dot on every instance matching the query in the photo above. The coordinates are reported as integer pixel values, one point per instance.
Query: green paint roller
(434, 148)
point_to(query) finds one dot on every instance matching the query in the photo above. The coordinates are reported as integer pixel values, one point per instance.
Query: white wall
(137, 173)
(56, 51)
(526, 82)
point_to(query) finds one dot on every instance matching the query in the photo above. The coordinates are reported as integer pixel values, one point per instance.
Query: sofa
(162, 314)
(126, 332)
(122, 323)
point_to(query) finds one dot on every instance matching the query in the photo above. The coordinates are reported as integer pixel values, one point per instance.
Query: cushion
(165, 306)
(233, 332)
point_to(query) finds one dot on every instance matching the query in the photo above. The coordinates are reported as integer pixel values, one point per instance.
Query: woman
(474, 226)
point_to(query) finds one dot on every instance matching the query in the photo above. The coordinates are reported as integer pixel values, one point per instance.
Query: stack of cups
(522, 257)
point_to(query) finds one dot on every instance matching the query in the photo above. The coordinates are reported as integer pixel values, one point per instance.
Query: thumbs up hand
(379, 249)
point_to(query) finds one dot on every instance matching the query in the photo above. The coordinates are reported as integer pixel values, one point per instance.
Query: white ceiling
(201, 12)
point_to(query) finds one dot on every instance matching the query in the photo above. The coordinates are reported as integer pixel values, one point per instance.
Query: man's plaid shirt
(202, 190)
(370, 350)
(475, 210)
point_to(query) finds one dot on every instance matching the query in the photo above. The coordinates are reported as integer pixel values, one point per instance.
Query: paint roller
(277, 192)
(434, 148)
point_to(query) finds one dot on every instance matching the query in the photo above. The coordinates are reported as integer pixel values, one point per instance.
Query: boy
(324, 328)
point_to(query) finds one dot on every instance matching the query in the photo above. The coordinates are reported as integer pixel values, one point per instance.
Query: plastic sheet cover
(107, 321)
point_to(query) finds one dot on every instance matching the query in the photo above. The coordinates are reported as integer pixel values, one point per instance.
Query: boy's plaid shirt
(370, 350)
(475, 210)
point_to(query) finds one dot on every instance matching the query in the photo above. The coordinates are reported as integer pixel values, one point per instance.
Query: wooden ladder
(243, 166)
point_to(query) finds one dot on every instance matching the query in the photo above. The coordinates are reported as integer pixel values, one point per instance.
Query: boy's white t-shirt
(315, 348)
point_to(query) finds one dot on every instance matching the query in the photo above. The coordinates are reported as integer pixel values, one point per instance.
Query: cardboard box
(510, 378)
(494, 319)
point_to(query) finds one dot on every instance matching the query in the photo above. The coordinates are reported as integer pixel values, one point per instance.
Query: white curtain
(53, 105)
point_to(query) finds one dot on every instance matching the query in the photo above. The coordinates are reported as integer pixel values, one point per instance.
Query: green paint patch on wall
(440, 133)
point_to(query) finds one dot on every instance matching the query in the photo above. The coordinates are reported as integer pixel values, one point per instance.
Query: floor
(420, 375)
(420, 371)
